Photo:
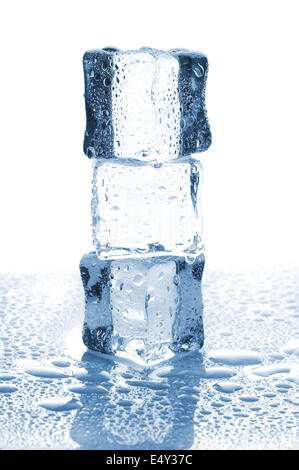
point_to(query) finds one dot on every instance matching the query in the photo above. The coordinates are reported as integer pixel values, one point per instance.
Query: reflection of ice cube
(142, 308)
(139, 210)
(145, 104)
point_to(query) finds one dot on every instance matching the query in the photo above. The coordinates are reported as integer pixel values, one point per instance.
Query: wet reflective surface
(240, 391)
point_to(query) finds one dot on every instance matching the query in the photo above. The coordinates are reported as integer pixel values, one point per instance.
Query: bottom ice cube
(142, 308)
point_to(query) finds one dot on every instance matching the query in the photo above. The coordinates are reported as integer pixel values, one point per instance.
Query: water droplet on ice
(198, 71)
(138, 279)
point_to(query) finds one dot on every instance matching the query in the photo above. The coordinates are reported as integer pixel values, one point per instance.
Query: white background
(250, 191)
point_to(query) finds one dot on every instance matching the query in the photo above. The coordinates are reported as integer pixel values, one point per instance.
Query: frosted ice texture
(145, 104)
(142, 307)
(146, 209)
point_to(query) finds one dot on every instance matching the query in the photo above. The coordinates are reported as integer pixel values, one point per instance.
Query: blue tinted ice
(145, 104)
(195, 129)
(142, 308)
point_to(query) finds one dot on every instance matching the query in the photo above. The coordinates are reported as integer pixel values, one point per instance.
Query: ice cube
(145, 104)
(142, 308)
(140, 210)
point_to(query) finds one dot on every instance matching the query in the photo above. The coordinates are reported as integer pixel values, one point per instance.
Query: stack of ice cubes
(145, 117)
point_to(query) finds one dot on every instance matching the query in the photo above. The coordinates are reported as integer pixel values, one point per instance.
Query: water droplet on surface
(227, 387)
(61, 404)
(47, 372)
(87, 389)
(219, 373)
(6, 376)
(272, 369)
(5, 388)
(292, 347)
(125, 403)
(138, 280)
(248, 398)
(107, 82)
(61, 362)
(235, 357)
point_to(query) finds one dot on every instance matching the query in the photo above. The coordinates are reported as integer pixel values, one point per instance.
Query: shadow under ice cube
(142, 308)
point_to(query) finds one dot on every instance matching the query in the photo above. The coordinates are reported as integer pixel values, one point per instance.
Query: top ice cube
(145, 104)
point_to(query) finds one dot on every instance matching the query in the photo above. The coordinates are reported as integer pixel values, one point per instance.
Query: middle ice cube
(146, 209)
